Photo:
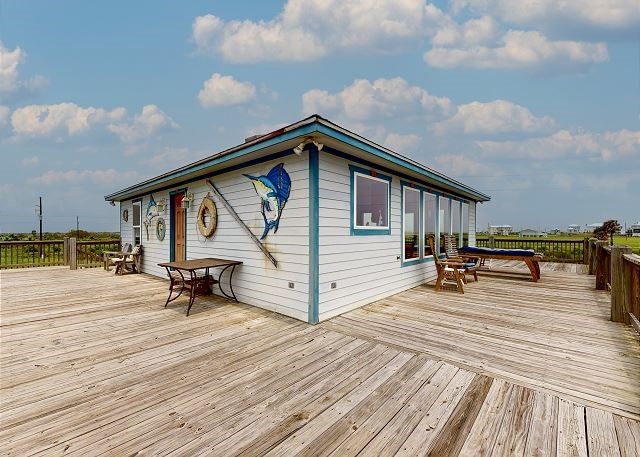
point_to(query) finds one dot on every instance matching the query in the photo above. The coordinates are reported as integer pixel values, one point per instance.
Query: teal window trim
(353, 170)
(422, 229)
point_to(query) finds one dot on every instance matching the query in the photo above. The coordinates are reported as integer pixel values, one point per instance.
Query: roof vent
(253, 137)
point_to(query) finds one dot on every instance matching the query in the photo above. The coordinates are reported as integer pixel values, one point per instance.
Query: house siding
(365, 268)
(256, 282)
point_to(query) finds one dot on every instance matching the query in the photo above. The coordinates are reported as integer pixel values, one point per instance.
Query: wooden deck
(93, 364)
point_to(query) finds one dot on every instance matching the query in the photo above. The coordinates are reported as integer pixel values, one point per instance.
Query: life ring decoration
(207, 217)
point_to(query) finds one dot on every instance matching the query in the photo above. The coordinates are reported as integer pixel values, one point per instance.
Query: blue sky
(534, 103)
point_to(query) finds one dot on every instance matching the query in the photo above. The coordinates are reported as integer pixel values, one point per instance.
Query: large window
(370, 203)
(429, 220)
(465, 224)
(445, 216)
(411, 223)
(136, 217)
(455, 217)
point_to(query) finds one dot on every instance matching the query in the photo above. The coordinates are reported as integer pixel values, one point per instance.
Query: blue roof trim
(214, 160)
(397, 160)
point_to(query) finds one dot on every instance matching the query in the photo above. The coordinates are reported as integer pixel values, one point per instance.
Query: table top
(198, 264)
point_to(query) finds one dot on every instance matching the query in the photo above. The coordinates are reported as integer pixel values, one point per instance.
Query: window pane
(465, 224)
(136, 235)
(429, 220)
(445, 216)
(372, 202)
(137, 213)
(411, 223)
(455, 217)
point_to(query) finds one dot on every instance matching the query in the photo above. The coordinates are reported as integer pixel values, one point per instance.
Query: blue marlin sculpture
(273, 189)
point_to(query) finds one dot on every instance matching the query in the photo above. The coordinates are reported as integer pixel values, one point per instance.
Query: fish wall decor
(273, 189)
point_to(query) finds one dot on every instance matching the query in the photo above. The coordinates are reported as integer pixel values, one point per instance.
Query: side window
(411, 215)
(136, 218)
(370, 206)
(445, 216)
(455, 217)
(465, 224)
(429, 220)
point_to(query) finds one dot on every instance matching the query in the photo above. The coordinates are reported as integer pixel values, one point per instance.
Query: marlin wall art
(273, 189)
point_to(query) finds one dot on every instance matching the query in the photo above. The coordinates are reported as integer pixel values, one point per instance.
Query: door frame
(172, 224)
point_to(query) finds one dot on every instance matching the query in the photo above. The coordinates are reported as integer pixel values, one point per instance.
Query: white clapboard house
(341, 221)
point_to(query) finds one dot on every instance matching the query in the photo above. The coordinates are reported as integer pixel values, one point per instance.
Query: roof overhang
(287, 138)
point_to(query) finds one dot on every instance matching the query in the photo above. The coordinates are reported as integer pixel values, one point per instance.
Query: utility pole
(77, 226)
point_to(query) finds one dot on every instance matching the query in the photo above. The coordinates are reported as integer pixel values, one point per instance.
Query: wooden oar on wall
(242, 224)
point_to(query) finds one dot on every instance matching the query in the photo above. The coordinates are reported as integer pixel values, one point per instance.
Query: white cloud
(222, 90)
(382, 98)
(151, 121)
(615, 17)
(496, 117)
(4, 116)
(169, 158)
(10, 82)
(109, 177)
(473, 32)
(461, 165)
(69, 118)
(529, 50)
(310, 29)
(403, 144)
(606, 146)
(30, 161)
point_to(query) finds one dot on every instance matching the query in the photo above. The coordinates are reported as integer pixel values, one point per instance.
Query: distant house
(555, 231)
(500, 229)
(574, 228)
(635, 229)
(353, 229)
(532, 233)
(592, 227)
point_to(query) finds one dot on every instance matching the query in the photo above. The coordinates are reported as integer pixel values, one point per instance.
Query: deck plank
(94, 364)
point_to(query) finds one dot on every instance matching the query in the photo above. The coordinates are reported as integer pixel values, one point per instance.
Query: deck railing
(568, 251)
(29, 254)
(617, 269)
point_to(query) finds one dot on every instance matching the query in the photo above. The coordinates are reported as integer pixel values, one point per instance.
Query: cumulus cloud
(103, 177)
(580, 17)
(474, 32)
(69, 118)
(382, 98)
(496, 117)
(528, 50)
(462, 165)
(309, 29)
(169, 158)
(30, 161)
(10, 82)
(4, 116)
(222, 90)
(151, 121)
(606, 146)
(402, 143)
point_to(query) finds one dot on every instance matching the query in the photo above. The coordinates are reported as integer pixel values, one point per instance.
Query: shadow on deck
(93, 364)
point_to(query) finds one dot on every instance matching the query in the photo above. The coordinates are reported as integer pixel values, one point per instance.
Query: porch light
(186, 200)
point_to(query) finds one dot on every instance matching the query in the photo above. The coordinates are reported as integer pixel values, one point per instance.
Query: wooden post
(592, 256)
(492, 241)
(631, 284)
(585, 251)
(619, 306)
(73, 254)
(600, 267)
(65, 251)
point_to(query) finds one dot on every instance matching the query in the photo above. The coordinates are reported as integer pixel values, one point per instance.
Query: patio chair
(450, 272)
(130, 263)
(110, 258)
(471, 264)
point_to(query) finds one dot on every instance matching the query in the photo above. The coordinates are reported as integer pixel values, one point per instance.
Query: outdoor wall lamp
(186, 200)
(298, 149)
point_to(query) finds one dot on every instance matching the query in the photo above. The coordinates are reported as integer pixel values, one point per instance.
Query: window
(137, 217)
(411, 223)
(429, 220)
(455, 217)
(465, 224)
(370, 205)
(445, 216)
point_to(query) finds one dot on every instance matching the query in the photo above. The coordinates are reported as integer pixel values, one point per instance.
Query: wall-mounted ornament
(125, 215)
(161, 229)
(152, 211)
(207, 217)
(274, 190)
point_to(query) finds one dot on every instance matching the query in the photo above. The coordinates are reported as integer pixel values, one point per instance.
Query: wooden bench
(530, 258)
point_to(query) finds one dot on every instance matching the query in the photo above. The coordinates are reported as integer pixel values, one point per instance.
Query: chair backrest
(126, 247)
(137, 250)
(450, 246)
(431, 239)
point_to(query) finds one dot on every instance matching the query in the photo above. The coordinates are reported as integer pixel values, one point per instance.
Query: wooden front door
(179, 245)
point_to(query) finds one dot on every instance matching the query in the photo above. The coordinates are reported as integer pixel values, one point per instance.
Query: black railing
(29, 254)
(570, 251)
